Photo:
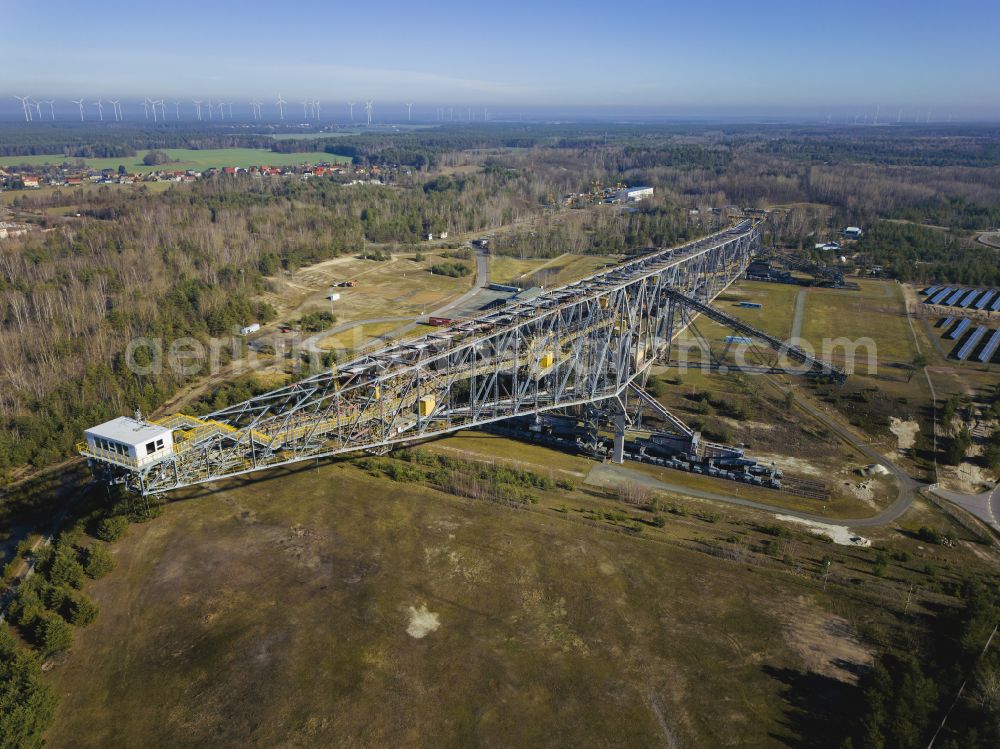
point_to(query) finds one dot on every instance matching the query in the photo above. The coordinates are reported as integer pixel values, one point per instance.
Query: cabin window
(159, 444)
(150, 448)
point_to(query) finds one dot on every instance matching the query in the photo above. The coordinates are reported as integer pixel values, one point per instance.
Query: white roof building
(129, 442)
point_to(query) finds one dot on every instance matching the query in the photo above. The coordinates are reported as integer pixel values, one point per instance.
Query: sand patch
(825, 642)
(422, 622)
(905, 431)
(791, 465)
(862, 491)
(839, 534)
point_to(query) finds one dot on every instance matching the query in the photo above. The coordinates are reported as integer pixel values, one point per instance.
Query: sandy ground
(839, 534)
(422, 622)
(826, 642)
(967, 478)
(791, 465)
(905, 431)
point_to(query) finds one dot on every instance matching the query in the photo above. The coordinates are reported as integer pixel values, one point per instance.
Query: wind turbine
(79, 103)
(305, 105)
(409, 111)
(52, 109)
(118, 109)
(316, 109)
(281, 106)
(369, 106)
(38, 108)
(255, 109)
(197, 104)
(351, 105)
(163, 113)
(222, 110)
(152, 103)
(145, 107)
(229, 106)
(24, 106)
(177, 109)
(100, 108)
(209, 105)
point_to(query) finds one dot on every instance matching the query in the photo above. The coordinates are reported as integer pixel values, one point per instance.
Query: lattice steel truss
(581, 343)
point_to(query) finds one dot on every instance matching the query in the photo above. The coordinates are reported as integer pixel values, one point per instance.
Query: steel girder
(577, 344)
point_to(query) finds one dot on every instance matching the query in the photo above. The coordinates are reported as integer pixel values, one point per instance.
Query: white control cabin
(128, 442)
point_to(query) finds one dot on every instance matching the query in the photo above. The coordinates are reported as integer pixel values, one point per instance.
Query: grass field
(398, 287)
(284, 613)
(553, 272)
(187, 158)
(326, 607)
(358, 336)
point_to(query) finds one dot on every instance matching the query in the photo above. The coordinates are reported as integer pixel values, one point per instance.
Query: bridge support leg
(619, 452)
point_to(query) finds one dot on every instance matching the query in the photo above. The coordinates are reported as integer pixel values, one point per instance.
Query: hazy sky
(717, 57)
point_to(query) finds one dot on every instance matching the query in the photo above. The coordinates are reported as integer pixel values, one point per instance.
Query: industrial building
(633, 194)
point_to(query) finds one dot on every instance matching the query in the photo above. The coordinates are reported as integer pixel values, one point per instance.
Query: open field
(553, 272)
(399, 287)
(357, 336)
(876, 311)
(187, 158)
(290, 610)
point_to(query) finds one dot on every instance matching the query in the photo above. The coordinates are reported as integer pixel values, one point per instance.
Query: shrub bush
(52, 634)
(111, 528)
(98, 561)
(79, 609)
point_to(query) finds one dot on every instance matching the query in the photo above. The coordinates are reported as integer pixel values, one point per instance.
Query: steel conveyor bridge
(583, 343)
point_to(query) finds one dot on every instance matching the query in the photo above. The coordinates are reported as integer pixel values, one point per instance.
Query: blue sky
(687, 58)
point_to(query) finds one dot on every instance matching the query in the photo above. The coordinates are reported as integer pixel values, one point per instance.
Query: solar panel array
(953, 296)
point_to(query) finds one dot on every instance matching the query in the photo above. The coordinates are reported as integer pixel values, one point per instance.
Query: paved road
(610, 474)
(800, 308)
(907, 484)
(985, 506)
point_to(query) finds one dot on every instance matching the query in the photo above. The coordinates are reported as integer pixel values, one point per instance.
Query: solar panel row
(931, 290)
(955, 297)
(990, 348)
(967, 299)
(940, 296)
(984, 299)
(969, 346)
(962, 326)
